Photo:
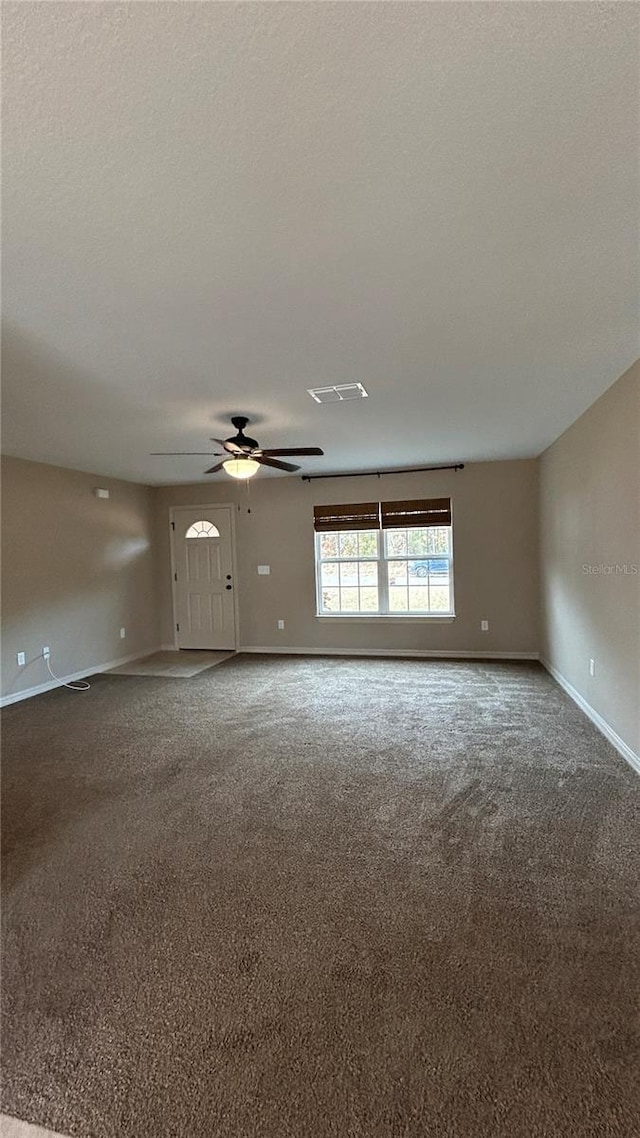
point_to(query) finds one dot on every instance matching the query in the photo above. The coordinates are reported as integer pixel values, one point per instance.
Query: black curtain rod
(379, 473)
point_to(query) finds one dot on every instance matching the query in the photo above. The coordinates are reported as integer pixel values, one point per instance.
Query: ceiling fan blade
(232, 448)
(274, 462)
(214, 469)
(206, 453)
(293, 451)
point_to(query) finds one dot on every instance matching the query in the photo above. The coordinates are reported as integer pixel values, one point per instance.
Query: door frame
(231, 506)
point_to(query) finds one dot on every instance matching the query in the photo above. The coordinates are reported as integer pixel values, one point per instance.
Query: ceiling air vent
(338, 394)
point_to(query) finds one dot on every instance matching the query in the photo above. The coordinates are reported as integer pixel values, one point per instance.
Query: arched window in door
(203, 529)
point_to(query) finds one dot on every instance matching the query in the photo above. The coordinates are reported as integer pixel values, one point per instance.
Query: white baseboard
(48, 685)
(623, 748)
(422, 653)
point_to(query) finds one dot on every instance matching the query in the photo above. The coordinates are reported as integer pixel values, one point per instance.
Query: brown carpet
(302, 898)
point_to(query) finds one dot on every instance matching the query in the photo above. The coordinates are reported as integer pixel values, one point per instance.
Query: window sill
(446, 618)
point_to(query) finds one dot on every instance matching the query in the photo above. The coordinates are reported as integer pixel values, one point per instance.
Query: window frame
(383, 612)
(345, 560)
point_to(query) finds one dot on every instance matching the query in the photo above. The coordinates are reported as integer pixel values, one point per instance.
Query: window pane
(368, 572)
(438, 539)
(440, 598)
(397, 599)
(329, 545)
(331, 600)
(368, 543)
(438, 569)
(418, 569)
(349, 600)
(348, 545)
(418, 542)
(396, 542)
(419, 598)
(348, 572)
(202, 529)
(397, 572)
(369, 599)
(330, 573)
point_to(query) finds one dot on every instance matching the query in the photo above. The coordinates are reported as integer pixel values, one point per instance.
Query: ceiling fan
(245, 455)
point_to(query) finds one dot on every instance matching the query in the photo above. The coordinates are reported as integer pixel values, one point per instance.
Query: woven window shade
(332, 519)
(421, 512)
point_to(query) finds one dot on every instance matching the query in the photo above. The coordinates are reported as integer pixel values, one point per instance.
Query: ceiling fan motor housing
(242, 440)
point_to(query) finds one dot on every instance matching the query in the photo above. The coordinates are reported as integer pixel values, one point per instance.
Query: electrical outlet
(21, 659)
(46, 652)
(592, 667)
(484, 625)
(123, 633)
(280, 624)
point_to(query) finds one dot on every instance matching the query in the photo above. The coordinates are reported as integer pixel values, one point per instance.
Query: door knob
(228, 576)
(227, 586)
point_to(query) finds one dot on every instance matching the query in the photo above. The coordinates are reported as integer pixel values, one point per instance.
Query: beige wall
(495, 552)
(74, 570)
(590, 523)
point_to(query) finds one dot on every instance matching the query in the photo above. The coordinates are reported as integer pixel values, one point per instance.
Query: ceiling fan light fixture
(241, 467)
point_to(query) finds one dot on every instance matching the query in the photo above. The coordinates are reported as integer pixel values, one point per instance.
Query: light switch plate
(264, 570)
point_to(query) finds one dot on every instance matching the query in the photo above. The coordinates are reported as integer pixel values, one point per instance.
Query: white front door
(203, 561)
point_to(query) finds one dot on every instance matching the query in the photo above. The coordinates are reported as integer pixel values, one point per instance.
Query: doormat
(180, 665)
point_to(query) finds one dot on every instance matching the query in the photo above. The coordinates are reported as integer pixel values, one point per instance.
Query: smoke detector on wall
(338, 394)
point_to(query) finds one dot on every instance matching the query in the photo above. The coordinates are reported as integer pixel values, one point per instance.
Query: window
(389, 570)
(203, 529)
(347, 569)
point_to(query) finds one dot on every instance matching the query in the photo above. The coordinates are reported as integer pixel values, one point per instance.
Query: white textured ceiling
(209, 208)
